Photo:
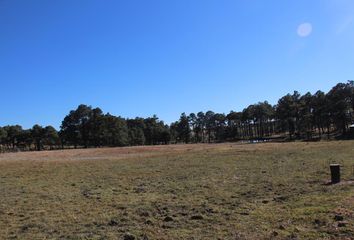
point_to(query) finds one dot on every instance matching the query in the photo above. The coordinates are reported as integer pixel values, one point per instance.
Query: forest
(294, 117)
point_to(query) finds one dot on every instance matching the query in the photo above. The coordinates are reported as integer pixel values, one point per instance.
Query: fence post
(335, 173)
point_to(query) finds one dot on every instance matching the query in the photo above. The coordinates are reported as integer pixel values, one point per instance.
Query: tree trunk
(38, 145)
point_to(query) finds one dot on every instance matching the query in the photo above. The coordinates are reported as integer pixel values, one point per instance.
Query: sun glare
(304, 29)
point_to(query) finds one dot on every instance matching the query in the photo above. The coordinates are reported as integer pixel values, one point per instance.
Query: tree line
(295, 116)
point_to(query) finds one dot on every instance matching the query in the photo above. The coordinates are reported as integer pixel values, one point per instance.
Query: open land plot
(201, 191)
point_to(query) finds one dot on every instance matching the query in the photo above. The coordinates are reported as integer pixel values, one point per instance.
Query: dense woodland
(295, 116)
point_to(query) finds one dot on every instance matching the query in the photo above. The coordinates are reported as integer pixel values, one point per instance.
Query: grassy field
(220, 191)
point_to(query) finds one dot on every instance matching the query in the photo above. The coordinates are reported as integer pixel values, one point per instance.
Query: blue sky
(139, 58)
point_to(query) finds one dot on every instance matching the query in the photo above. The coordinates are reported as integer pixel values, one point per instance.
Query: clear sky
(139, 58)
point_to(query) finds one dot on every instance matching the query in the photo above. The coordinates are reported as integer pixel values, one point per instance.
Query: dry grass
(220, 191)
